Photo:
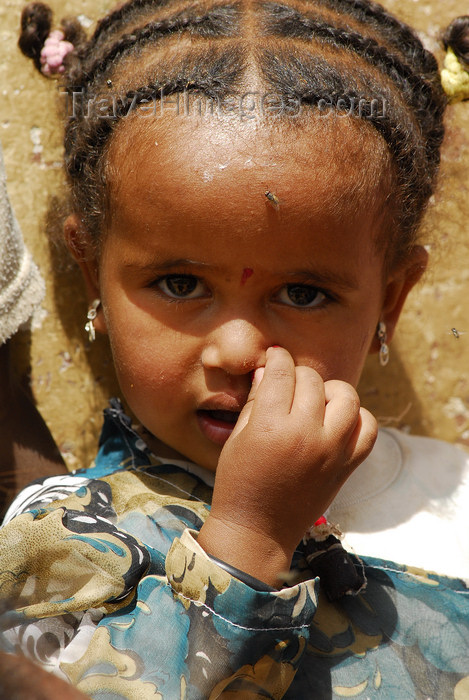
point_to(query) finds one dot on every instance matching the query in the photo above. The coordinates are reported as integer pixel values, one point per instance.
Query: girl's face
(201, 271)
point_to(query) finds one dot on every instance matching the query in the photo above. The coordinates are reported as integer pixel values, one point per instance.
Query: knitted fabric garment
(21, 285)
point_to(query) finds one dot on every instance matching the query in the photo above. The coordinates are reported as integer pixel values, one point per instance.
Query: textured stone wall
(425, 387)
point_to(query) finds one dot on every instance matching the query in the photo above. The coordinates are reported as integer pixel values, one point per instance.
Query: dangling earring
(383, 346)
(91, 315)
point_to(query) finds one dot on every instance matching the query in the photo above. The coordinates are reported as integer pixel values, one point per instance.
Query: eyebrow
(168, 264)
(318, 277)
(327, 278)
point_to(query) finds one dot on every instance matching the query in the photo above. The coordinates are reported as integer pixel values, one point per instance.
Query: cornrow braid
(427, 103)
(287, 21)
(312, 80)
(208, 72)
(349, 53)
(389, 27)
(219, 21)
(117, 18)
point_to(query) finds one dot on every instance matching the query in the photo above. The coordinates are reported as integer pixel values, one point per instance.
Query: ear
(398, 285)
(84, 251)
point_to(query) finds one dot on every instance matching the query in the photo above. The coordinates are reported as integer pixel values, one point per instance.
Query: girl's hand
(297, 440)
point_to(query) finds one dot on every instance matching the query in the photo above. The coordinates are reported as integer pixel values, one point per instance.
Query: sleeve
(260, 637)
(21, 285)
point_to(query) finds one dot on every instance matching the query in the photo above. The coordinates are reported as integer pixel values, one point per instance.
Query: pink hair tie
(53, 53)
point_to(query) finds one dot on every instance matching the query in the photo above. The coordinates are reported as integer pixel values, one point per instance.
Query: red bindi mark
(247, 272)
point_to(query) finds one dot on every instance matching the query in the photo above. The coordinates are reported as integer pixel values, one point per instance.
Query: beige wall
(425, 387)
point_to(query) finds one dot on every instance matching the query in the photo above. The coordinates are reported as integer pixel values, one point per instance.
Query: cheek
(149, 358)
(341, 356)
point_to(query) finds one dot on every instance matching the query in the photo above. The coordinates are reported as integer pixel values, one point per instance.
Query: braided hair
(350, 55)
(457, 37)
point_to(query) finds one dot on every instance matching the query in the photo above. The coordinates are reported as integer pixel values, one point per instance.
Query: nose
(236, 347)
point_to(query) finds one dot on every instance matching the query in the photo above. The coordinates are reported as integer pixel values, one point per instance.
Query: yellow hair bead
(454, 78)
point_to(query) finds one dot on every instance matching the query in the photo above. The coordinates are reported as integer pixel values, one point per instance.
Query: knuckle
(350, 398)
(279, 373)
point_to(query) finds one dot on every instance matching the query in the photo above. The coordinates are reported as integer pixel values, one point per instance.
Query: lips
(223, 416)
(216, 424)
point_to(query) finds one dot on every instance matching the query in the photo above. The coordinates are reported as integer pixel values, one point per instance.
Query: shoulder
(407, 503)
(421, 443)
(443, 466)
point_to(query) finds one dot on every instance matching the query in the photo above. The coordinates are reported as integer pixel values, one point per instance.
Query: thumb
(247, 408)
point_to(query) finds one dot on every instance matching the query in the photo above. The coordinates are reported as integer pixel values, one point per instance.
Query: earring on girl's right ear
(383, 345)
(91, 315)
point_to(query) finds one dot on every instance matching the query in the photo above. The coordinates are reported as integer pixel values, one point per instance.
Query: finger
(342, 410)
(247, 408)
(362, 439)
(309, 400)
(274, 394)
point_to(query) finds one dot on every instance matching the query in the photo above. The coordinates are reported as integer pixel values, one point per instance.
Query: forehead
(321, 172)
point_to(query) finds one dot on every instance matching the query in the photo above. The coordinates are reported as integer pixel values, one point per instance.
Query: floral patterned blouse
(102, 581)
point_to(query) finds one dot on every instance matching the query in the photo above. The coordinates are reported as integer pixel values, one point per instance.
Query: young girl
(248, 180)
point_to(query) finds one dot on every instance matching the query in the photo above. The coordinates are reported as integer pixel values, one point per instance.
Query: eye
(181, 286)
(301, 295)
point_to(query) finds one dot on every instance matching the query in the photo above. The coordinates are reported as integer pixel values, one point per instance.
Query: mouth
(217, 425)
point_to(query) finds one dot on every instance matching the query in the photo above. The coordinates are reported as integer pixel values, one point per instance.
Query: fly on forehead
(272, 198)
